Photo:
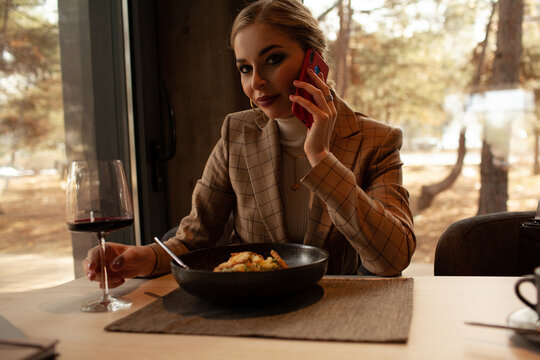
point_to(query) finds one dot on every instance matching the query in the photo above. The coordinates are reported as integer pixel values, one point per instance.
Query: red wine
(104, 225)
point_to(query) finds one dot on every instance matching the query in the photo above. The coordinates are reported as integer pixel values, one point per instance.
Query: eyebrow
(262, 52)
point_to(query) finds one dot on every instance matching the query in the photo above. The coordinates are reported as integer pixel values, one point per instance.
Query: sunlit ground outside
(461, 200)
(35, 251)
(35, 247)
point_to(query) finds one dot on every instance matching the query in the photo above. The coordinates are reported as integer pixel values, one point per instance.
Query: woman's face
(268, 63)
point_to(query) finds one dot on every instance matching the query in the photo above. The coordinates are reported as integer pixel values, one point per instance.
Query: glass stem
(104, 277)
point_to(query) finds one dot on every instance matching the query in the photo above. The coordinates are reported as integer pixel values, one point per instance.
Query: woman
(337, 186)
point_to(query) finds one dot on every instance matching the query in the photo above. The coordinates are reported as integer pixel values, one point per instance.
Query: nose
(258, 80)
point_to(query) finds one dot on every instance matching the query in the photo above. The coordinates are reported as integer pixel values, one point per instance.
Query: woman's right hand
(122, 261)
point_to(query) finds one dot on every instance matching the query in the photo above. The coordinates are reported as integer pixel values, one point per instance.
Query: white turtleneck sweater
(292, 134)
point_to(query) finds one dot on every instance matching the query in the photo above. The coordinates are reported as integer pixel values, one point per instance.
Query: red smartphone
(313, 61)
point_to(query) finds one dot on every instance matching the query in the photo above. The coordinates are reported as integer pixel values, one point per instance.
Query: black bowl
(307, 265)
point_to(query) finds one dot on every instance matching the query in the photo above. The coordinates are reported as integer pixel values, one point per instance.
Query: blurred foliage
(30, 89)
(407, 56)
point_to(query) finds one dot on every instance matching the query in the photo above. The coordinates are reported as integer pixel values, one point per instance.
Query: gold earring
(252, 105)
(255, 108)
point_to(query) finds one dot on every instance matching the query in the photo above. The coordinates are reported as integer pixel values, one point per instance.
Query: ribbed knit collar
(292, 132)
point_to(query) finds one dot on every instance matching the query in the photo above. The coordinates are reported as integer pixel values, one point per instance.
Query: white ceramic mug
(535, 280)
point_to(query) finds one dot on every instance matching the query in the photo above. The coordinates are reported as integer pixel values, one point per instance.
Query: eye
(244, 69)
(275, 59)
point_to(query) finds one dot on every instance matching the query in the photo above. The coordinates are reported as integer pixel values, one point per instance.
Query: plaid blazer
(359, 210)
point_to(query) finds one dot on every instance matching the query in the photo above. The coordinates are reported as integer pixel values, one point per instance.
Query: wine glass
(98, 201)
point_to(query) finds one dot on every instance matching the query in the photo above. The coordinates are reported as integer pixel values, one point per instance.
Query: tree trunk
(536, 166)
(483, 45)
(508, 53)
(429, 192)
(3, 39)
(494, 168)
(342, 47)
(494, 182)
(536, 131)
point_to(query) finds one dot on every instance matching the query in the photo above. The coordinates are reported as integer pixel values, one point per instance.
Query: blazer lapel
(347, 125)
(262, 152)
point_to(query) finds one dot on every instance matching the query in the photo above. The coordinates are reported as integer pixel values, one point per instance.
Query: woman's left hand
(317, 144)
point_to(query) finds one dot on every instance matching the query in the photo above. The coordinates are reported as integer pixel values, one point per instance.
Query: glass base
(107, 304)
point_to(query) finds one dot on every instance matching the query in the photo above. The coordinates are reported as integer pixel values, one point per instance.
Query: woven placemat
(361, 310)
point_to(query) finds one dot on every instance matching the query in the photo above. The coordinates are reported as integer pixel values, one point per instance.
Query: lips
(265, 101)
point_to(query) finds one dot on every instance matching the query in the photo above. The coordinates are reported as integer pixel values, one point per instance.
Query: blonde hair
(290, 17)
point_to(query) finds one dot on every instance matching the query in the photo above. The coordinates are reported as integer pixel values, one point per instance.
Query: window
(63, 91)
(32, 154)
(424, 66)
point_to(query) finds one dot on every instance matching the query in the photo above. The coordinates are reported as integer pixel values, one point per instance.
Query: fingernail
(90, 275)
(117, 263)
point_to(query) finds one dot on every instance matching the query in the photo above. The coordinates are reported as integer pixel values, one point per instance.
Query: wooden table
(441, 305)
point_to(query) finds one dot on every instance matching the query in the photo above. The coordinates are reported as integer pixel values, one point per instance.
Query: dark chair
(489, 245)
